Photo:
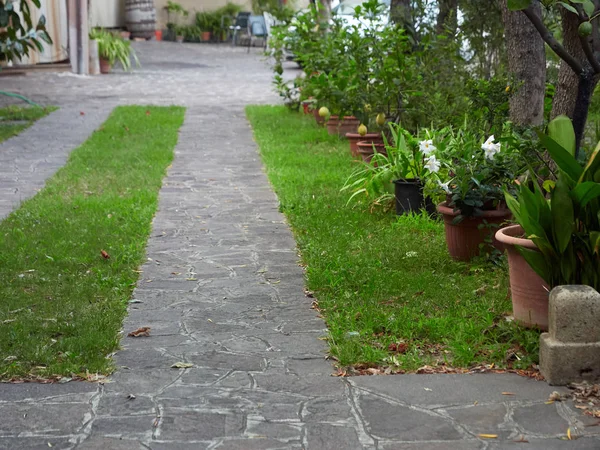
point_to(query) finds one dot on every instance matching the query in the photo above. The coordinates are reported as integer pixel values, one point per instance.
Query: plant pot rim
(368, 135)
(444, 209)
(509, 236)
(370, 144)
(336, 117)
(407, 181)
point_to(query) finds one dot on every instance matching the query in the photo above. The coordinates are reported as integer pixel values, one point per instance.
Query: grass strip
(14, 119)
(388, 290)
(63, 302)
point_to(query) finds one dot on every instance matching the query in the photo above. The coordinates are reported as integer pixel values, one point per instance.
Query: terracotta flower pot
(179, 39)
(367, 149)
(105, 66)
(348, 124)
(158, 35)
(528, 290)
(465, 237)
(307, 107)
(205, 36)
(320, 120)
(125, 35)
(355, 138)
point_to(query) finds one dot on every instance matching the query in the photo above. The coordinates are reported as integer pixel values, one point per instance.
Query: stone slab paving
(222, 291)
(27, 160)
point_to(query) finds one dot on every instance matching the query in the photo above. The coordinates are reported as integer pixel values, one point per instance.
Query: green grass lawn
(386, 286)
(62, 301)
(26, 115)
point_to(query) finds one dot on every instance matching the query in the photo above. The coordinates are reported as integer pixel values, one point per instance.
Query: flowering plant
(474, 173)
(410, 158)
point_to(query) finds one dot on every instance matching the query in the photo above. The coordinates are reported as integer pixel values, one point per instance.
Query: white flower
(490, 148)
(411, 254)
(427, 147)
(432, 164)
(445, 187)
(292, 28)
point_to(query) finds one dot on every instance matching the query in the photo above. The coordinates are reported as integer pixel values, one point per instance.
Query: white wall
(107, 13)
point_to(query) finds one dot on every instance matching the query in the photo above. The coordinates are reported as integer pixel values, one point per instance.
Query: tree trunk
(565, 94)
(527, 64)
(400, 12)
(447, 16)
(324, 9)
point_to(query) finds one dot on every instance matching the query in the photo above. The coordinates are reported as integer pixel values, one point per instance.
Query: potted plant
(206, 22)
(413, 160)
(175, 14)
(180, 33)
(474, 180)
(558, 237)
(111, 49)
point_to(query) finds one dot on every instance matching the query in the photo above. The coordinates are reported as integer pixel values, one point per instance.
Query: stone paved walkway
(222, 290)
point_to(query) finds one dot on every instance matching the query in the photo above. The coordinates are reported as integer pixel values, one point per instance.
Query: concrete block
(574, 314)
(570, 351)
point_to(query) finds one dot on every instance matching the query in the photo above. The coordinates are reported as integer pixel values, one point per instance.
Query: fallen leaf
(131, 397)
(488, 436)
(508, 393)
(522, 440)
(399, 347)
(143, 331)
(569, 433)
(182, 365)
(81, 113)
(148, 112)
(555, 397)
(427, 389)
(104, 254)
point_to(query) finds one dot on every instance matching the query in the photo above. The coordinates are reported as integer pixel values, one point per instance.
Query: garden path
(222, 290)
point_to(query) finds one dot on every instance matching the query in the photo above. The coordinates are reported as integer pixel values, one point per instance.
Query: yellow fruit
(324, 111)
(367, 108)
(362, 129)
(380, 119)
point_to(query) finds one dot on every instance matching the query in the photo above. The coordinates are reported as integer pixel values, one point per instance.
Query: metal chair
(257, 28)
(241, 24)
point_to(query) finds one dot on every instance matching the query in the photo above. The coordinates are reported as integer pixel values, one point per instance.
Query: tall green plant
(113, 48)
(565, 228)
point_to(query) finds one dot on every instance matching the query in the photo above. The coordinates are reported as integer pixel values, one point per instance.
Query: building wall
(194, 6)
(107, 13)
(55, 12)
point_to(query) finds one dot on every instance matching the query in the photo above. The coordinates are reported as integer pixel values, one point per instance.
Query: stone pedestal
(570, 351)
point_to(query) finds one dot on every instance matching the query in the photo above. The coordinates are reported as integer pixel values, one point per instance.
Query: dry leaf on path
(104, 254)
(508, 393)
(143, 331)
(182, 365)
(488, 436)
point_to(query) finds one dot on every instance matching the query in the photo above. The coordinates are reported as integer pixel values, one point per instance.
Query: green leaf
(561, 157)
(562, 214)
(585, 192)
(537, 262)
(588, 7)
(548, 185)
(595, 241)
(517, 5)
(568, 7)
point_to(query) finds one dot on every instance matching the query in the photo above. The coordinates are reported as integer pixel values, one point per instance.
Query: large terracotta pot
(355, 138)
(348, 124)
(205, 36)
(367, 149)
(465, 237)
(528, 290)
(307, 107)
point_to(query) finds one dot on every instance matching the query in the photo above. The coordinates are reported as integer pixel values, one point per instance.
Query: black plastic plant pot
(409, 196)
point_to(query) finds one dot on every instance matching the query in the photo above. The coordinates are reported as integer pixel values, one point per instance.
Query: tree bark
(527, 65)
(447, 16)
(400, 13)
(565, 94)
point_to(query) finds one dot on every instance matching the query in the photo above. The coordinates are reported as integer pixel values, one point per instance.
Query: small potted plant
(557, 237)
(206, 22)
(180, 31)
(111, 49)
(175, 13)
(476, 174)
